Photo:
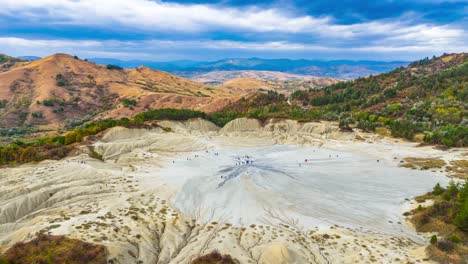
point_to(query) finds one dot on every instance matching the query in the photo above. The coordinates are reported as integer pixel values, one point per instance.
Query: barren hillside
(7, 62)
(61, 89)
(249, 85)
(218, 77)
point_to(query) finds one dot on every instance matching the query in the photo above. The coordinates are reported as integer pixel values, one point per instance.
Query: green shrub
(3, 103)
(61, 80)
(129, 102)
(437, 190)
(446, 246)
(433, 240)
(53, 101)
(113, 67)
(454, 238)
(37, 115)
(461, 219)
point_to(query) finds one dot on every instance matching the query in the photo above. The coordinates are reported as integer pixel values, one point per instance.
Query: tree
(113, 67)
(28, 154)
(438, 190)
(461, 219)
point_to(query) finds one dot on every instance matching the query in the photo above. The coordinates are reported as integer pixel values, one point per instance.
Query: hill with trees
(424, 101)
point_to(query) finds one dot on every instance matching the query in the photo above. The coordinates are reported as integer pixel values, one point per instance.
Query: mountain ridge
(340, 69)
(425, 101)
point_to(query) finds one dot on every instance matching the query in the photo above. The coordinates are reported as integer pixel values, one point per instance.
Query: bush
(433, 240)
(53, 101)
(113, 67)
(169, 113)
(37, 115)
(455, 239)
(446, 246)
(214, 258)
(56, 249)
(437, 190)
(4, 261)
(59, 110)
(129, 102)
(61, 80)
(461, 219)
(3, 103)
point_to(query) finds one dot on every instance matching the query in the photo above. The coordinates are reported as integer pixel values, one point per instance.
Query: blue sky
(210, 30)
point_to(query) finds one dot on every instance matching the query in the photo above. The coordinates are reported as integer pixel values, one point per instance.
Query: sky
(211, 30)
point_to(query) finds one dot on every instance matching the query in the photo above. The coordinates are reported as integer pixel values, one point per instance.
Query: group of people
(244, 160)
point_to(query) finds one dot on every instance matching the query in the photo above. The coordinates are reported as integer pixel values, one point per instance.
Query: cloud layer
(126, 27)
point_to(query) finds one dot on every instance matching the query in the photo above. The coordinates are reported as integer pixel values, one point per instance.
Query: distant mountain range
(340, 69)
(29, 58)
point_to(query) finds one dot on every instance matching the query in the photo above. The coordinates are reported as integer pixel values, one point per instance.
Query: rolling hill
(7, 62)
(218, 77)
(252, 85)
(424, 101)
(64, 90)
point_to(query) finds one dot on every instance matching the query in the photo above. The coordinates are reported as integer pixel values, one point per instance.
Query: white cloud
(275, 27)
(146, 14)
(38, 43)
(168, 49)
(157, 16)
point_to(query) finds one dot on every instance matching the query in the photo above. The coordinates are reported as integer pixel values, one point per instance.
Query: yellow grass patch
(458, 169)
(423, 163)
(383, 131)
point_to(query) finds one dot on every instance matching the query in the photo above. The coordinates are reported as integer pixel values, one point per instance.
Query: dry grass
(459, 255)
(438, 219)
(383, 131)
(47, 249)
(458, 169)
(85, 89)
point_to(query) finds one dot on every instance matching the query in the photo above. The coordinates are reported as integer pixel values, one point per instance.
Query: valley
(139, 203)
(148, 167)
(233, 132)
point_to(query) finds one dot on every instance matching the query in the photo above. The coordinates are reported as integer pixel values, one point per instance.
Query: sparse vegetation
(448, 216)
(53, 101)
(57, 147)
(423, 163)
(61, 80)
(429, 100)
(129, 102)
(55, 250)
(37, 115)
